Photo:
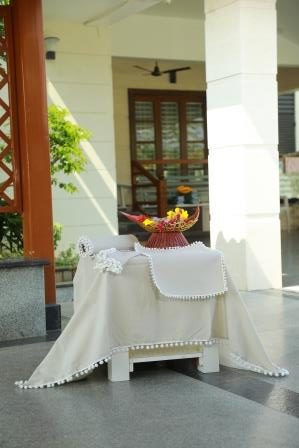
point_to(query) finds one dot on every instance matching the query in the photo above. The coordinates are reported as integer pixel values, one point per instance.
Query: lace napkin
(189, 272)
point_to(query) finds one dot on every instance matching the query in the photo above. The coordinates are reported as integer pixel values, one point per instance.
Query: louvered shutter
(286, 123)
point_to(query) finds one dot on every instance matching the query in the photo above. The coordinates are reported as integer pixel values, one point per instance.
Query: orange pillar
(33, 136)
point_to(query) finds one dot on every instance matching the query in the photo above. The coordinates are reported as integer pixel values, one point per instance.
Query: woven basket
(169, 234)
(166, 239)
(179, 226)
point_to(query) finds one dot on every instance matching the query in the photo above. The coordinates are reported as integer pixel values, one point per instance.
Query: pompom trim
(147, 252)
(237, 359)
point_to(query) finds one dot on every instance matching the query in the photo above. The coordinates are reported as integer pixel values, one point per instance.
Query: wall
(287, 51)
(125, 76)
(158, 38)
(288, 79)
(81, 79)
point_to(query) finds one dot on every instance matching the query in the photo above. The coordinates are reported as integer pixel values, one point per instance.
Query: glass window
(144, 111)
(170, 128)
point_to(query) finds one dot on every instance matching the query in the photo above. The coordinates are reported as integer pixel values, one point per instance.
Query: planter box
(22, 299)
(64, 274)
(64, 283)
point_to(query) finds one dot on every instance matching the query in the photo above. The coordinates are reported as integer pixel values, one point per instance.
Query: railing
(164, 186)
(153, 181)
(203, 162)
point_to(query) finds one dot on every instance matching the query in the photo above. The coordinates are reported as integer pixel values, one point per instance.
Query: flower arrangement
(177, 220)
(167, 231)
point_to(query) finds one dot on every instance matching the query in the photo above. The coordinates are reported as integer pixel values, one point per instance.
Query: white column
(241, 65)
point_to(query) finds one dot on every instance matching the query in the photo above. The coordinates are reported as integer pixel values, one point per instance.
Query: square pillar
(242, 116)
(31, 99)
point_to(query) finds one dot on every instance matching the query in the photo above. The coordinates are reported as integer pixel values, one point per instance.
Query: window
(168, 131)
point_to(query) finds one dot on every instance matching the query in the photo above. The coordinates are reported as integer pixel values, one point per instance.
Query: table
(117, 315)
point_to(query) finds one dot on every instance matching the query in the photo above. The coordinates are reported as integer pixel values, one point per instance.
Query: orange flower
(184, 189)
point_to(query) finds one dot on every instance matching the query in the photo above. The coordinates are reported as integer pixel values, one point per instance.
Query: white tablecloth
(120, 311)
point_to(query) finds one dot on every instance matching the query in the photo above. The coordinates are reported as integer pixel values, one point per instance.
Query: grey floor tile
(157, 408)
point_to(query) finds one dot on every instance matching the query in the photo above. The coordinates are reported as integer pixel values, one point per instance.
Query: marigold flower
(184, 189)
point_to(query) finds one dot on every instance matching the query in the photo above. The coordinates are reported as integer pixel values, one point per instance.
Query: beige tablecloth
(119, 311)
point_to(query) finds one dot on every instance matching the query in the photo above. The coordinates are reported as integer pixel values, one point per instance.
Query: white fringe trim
(87, 370)
(255, 368)
(278, 372)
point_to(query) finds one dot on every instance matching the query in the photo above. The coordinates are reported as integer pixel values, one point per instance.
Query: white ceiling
(76, 10)
(288, 19)
(187, 9)
(108, 11)
(287, 14)
(93, 11)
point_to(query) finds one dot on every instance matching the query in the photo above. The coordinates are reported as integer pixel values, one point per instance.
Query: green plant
(66, 158)
(67, 257)
(11, 234)
(65, 151)
(57, 233)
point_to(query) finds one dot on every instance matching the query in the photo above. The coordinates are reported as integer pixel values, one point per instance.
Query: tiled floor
(164, 406)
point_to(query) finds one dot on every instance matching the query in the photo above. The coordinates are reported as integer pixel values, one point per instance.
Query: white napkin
(189, 272)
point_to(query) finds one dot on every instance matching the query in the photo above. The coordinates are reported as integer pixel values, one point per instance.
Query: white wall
(81, 79)
(155, 37)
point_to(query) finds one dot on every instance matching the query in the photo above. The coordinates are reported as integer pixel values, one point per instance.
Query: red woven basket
(165, 233)
(166, 239)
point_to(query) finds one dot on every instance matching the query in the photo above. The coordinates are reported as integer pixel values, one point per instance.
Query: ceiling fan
(157, 72)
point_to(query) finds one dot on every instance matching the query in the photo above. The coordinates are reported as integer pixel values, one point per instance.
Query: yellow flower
(184, 214)
(148, 222)
(171, 214)
(177, 212)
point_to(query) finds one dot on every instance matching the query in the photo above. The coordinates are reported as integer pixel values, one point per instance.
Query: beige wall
(143, 35)
(288, 79)
(125, 77)
(81, 79)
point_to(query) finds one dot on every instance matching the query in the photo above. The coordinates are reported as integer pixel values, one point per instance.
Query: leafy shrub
(67, 257)
(66, 157)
